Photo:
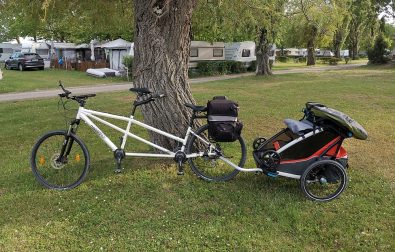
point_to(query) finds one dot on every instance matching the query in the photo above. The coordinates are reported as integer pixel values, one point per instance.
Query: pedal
(117, 171)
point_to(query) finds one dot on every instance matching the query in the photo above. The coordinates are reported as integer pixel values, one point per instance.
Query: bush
(127, 61)
(252, 67)
(379, 54)
(282, 59)
(324, 60)
(334, 61)
(209, 68)
(237, 67)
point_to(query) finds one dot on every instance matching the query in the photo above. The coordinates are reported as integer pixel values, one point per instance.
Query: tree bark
(262, 51)
(337, 43)
(354, 40)
(311, 46)
(161, 54)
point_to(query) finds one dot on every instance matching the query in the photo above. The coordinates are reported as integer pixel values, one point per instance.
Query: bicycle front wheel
(212, 168)
(59, 172)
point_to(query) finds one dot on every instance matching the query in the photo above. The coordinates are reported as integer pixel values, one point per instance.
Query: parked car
(22, 61)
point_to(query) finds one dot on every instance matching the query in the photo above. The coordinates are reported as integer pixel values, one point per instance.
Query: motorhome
(324, 53)
(240, 51)
(204, 51)
(7, 49)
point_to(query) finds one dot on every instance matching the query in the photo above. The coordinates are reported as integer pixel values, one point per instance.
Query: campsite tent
(116, 50)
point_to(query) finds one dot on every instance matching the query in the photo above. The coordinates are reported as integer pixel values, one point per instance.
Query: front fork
(68, 141)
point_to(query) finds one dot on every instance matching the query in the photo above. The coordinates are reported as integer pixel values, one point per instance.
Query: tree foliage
(379, 54)
(72, 20)
(233, 21)
(312, 24)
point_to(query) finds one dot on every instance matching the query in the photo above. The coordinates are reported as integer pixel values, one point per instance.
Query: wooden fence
(80, 65)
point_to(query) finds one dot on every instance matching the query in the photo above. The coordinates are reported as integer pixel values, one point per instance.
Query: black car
(22, 61)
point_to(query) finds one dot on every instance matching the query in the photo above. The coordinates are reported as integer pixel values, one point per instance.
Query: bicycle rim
(212, 168)
(55, 172)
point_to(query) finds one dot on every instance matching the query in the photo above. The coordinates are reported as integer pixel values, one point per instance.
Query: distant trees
(379, 53)
(234, 20)
(312, 24)
(73, 20)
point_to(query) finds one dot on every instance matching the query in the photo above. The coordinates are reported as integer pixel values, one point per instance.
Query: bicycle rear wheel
(213, 168)
(53, 171)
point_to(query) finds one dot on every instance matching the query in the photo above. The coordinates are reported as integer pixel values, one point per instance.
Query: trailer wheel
(323, 180)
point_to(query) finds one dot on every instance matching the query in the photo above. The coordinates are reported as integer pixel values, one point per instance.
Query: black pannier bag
(223, 125)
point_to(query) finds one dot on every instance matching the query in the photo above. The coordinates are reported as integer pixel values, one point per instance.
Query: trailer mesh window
(218, 52)
(246, 53)
(194, 52)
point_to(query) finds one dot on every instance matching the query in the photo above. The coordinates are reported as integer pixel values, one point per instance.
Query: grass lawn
(30, 80)
(291, 64)
(149, 208)
(16, 81)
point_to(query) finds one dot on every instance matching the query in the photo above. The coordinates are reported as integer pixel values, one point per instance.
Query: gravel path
(126, 85)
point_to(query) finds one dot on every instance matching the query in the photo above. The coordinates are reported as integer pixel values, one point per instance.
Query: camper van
(203, 51)
(7, 49)
(244, 52)
(240, 51)
(324, 53)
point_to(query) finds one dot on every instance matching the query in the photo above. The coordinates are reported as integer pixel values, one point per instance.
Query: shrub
(127, 61)
(282, 59)
(324, 60)
(237, 67)
(379, 54)
(209, 68)
(252, 67)
(334, 61)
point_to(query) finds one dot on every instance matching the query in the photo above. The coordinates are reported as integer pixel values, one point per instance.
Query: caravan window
(218, 52)
(1, 50)
(245, 53)
(194, 52)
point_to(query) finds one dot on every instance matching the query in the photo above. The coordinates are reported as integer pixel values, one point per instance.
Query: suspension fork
(68, 143)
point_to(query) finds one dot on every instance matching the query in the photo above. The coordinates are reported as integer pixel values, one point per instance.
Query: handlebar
(79, 98)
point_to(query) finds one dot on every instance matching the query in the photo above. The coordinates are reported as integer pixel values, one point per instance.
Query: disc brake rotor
(55, 163)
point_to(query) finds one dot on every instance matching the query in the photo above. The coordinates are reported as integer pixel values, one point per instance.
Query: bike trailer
(222, 119)
(318, 135)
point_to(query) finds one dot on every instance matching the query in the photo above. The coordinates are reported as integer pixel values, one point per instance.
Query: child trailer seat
(222, 119)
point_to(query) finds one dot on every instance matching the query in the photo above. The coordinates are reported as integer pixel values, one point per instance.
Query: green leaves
(73, 20)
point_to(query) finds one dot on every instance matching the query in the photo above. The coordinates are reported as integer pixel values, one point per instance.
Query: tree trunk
(262, 54)
(161, 54)
(311, 46)
(310, 53)
(337, 43)
(354, 41)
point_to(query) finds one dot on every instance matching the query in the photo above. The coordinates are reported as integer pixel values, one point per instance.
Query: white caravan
(240, 51)
(244, 52)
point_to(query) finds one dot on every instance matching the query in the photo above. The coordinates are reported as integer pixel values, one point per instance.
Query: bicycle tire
(324, 173)
(39, 161)
(230, 171)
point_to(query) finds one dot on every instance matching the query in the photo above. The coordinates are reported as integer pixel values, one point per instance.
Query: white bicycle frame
(86, 115)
